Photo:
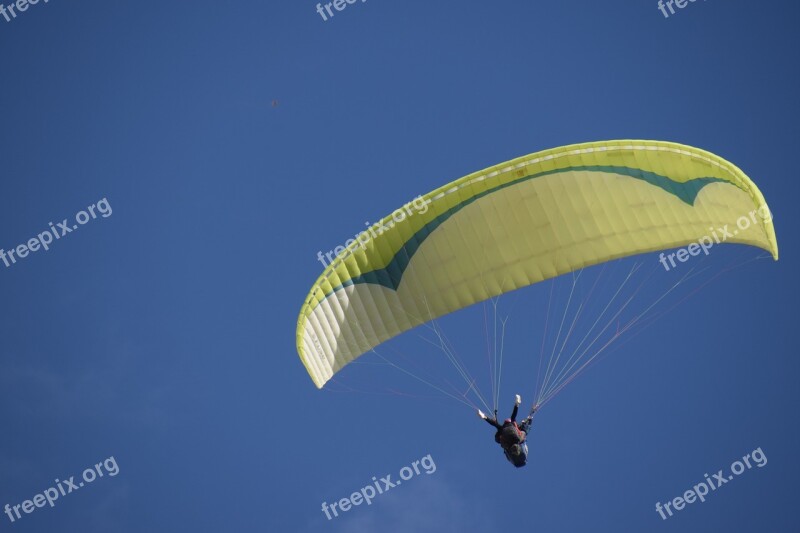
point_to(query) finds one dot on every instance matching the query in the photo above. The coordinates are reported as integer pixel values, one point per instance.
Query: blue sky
(163, 335)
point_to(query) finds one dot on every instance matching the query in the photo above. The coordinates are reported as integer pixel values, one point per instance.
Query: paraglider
(511, 436)
(516, 224)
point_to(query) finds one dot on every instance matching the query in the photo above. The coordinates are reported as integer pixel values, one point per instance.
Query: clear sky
(234, 140)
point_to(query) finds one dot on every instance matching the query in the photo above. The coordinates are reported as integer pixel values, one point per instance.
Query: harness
(502, 437)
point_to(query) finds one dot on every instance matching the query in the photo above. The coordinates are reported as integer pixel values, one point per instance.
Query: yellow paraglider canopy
(519, 223)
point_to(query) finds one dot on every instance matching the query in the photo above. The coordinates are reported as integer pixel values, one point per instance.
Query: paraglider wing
(519, 223)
